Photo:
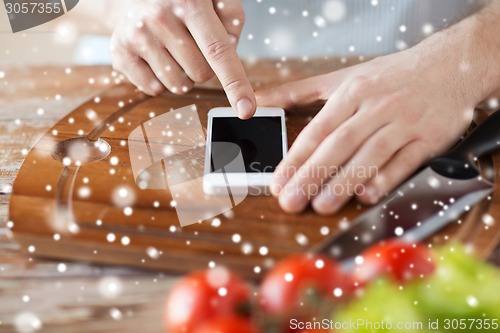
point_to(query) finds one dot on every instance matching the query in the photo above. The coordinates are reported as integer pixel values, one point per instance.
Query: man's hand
(381, 121)
(170, 44)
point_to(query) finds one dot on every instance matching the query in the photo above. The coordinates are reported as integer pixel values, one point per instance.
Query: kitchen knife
(428, 201)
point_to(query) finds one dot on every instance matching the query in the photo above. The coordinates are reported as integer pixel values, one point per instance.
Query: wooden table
(79, 297)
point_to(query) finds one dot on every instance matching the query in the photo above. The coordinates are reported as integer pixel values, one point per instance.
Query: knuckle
(392, 103)
(238, 14)
(117, 64)
(147, 91)
(384, 106)
(412, 116)
(152, 91)
(395, 100)
(321, 128)
(155, 12)
(357, 87)
(387, 102)
(381, 182)
(345, 134)
(187, 6)
(289, 102)
(324, 92)
(119, 61)
(381, 145)
(202, 75)
(119, 44)
(379, 111)
(138, 37)
(241, 17)
(156, 92)
(377, 79)
(217, 50)
(156, 15)
(182, 88)
(186, 87)
(382, 179)
(241, 14)
(234, 84)
(292, 94)
(156, 89)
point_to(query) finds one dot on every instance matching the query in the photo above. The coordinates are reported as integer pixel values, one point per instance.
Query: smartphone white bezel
(254, 183)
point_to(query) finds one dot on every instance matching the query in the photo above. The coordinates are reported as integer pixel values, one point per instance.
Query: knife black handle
(459, 162)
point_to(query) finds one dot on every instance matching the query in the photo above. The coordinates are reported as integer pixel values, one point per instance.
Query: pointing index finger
(215, 44)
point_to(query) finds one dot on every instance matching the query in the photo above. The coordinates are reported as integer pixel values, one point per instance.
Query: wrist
(485, 34)
(466, 56)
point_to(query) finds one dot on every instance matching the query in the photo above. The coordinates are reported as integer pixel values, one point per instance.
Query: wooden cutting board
(69, 212)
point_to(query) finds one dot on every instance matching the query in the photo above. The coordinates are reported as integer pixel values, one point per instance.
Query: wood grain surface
(68, 296)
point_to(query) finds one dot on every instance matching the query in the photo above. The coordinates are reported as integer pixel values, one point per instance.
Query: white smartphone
(241, 155)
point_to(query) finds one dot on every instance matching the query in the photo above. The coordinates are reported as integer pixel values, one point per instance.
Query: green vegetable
(381, 302)
(462, 288)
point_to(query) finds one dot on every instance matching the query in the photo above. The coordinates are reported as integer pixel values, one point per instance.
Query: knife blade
(427, 202)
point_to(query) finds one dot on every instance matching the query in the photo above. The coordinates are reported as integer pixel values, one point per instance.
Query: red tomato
(232, 324)
(203, 296)
(299, 280)
(400, 260)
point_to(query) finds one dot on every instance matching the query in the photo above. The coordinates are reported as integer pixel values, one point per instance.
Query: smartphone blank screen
(258, 138)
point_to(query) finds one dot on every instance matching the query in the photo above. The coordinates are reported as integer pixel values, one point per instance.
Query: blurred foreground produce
(462, 295)
(394, 287)
(206, 295)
